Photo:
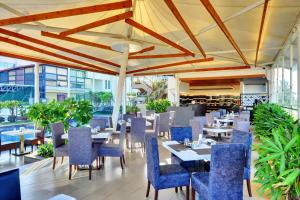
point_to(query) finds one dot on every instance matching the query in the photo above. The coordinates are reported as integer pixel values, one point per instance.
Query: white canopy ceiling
(242, 19)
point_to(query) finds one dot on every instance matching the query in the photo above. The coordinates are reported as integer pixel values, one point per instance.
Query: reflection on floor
(39, 181)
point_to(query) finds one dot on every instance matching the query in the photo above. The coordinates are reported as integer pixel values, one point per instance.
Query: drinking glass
(186, 141)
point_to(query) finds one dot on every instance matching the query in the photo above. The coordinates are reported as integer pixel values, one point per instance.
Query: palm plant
(278, 165)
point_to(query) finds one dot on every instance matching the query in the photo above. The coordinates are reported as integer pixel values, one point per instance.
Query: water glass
(186, 141)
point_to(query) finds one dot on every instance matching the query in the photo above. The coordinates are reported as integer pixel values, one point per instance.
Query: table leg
(22, 144)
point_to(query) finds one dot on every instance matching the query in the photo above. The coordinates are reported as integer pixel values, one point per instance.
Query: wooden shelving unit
(212, 102)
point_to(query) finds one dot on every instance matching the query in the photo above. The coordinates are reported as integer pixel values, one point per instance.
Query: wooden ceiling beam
(218, 20)
(49, 53)
(191, 70)
(97, 23)
(184, 25)
(142, 51)
(54, 46)
(77, 41)
(171, 65)
(158, 36)
(66, 13)
(175, 55)
(261, 29)
(49, 62)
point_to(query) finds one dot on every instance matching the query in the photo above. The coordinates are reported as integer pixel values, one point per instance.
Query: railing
(248, 100)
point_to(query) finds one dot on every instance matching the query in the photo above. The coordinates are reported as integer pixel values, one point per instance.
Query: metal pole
(69, 83)
(298, 71)
(37, 83)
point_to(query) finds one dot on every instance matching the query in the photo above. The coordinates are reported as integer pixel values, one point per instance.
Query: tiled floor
(39, 181)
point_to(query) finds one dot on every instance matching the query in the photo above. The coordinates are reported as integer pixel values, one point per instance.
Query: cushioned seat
(201, 186)
(62, 150)
(163, 176)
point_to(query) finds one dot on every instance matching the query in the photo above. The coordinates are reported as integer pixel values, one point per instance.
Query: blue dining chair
(179, 133)
(81, 150)
(137, 131)
(163, 176)
(246, 139)
(10, 185)
(114, 150)
(225, 179)
(60, 149)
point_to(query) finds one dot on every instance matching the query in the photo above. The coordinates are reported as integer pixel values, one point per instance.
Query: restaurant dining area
(149, 99)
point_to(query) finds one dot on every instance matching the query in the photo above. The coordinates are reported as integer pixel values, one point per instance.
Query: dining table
(218, 130)
(96, 136)
(21, 133)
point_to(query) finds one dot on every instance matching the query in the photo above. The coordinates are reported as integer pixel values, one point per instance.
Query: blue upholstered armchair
(225, 179)
(81, 150)
(60, 149)
(114, 150)
(10, 185)
(246, 139)
(164, 176)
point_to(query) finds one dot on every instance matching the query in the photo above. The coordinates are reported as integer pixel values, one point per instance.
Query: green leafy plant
(132, 109)
(278, 165)
(268, 117)
(159, 106)
(45, 150)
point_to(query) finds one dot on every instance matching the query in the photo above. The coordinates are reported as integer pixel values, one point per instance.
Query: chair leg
(54, 161)
(103, 160)
(187, 193)
(176, 189)
(62, 160)
(148, 189)
(121, 162)
(156, 195)
(10, 151)
(123, 157)
(249, 187)
(15, 151)
(70, 171)
(31, 148)
(193, 194)
(180, 188)
(90, 172)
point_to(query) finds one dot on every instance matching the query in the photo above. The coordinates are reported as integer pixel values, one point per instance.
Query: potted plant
(159, 106)
(132, 109)
(12, 106)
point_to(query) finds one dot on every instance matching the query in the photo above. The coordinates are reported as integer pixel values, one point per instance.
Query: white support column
(121, 84)
(298, 71)
(282, 80)
(177, 92)
(93, 82)
(69, 83)
(37, 83)
(291, 72)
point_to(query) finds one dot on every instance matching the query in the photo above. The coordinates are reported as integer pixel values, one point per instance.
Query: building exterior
(56, 83)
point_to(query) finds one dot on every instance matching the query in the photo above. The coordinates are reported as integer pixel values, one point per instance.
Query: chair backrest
(40, 134)
(150, 112)
(98, 122)
(80, 146)
(163, 123)
(152, 156)
(128, 116)
(138, 129)
(216, 114)
(226, 171)
(139, 114)
(245, 116)
(197, 128)
(242, 126)
(57, 131)
(172, 117)
(10, 185)
(183, 116)
(122, 135)
(209, 118)
(222, 111)
(203, 120)
(179, 133)
(246, 139)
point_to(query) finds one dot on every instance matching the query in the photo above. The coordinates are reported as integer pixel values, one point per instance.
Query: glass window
(62, 83)
(80, 74)
(50, 69)
(12, 73)
(61, 78)
(29, 70)
(62, 71)
(80, 80)
(11, 78)
(72, 72)
(88, 83)
(51, 83)
(51, 76)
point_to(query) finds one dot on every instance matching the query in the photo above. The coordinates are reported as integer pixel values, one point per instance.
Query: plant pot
(11, 118)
